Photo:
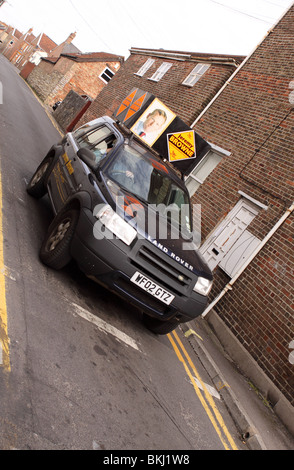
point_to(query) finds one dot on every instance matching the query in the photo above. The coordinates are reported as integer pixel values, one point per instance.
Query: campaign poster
(153, 122)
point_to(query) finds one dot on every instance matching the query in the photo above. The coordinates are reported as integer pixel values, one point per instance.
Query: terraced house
(247, 213)
(184, 81)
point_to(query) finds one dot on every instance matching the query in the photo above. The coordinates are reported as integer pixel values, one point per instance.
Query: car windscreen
(149, 180)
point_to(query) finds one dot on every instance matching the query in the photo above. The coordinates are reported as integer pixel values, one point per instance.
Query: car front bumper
(112, 263)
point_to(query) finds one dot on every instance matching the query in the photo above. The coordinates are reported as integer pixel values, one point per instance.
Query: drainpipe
(229, 287)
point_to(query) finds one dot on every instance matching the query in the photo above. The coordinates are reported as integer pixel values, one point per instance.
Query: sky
(213, 26)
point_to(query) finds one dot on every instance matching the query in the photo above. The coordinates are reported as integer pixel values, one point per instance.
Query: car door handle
(91, 179)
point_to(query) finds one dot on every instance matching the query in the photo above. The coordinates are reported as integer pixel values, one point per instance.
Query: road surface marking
(102, 325)
(206, 400)
(4, 339)
(211, 390)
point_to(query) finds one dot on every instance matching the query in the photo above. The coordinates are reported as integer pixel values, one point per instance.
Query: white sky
(214, 26)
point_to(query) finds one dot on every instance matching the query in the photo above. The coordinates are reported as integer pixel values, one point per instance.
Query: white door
(239, 253)
(226, 235)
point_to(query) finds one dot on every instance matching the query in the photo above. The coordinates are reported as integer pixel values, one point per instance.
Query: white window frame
(195, 75)
(146, 66)
(161, 71)
(103, 72)
(216, 151)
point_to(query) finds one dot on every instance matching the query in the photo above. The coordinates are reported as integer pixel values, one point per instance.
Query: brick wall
(253, 119)
(52, 82)
(44, 79)
(185, 101)
(84, 80)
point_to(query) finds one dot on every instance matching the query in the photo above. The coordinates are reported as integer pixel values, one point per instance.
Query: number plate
(153, 289)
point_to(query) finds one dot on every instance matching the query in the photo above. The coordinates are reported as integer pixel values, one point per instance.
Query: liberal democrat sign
(181, 146)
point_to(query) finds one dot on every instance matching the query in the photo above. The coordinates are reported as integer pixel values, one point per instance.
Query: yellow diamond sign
(181, 145)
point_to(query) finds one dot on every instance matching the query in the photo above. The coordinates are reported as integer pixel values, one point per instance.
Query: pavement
(254, 416)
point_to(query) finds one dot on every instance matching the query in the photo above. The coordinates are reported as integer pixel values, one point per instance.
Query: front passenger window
(100, 141)
(92, 138)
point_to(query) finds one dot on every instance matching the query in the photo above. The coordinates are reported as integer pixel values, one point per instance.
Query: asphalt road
(78, 370)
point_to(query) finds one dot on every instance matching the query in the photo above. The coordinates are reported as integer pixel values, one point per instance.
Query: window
(89, 139)
(100, 140)
(196, 74)
(106, 75)
(161, 71)
(137, 173)
(202, 170)
(145, 67)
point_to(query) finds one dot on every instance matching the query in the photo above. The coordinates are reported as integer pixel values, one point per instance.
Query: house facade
(9, 37)
(41, 45)
(185, 82)
(19, 45)
(247, 196)
(86, 74)
(25, 50)
(28, 45)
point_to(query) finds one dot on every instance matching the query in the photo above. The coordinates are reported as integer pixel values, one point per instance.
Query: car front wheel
(55, 249)
(37, 186)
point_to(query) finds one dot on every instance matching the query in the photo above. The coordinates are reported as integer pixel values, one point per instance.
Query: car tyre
(159, 327)
(55, 249)
(37, 184)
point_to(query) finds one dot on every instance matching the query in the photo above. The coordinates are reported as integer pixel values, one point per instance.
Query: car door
(69, 169)
(63, 181)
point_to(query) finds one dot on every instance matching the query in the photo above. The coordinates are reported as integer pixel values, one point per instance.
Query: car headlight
(116, 224)
(203, 286)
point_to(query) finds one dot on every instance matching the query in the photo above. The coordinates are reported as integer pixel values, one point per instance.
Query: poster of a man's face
(155, 119)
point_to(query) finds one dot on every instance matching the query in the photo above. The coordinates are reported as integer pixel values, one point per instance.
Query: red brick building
(184, 81)
(43, 47)
(28, 45)
(86, 74)
(248, 192)
(9, 37)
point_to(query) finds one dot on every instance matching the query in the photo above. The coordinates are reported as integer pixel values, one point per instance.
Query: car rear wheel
(55, 249)
(159, 327)
(37, 186)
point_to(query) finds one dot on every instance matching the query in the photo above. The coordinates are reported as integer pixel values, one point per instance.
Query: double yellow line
(4, 339)
(205, 397)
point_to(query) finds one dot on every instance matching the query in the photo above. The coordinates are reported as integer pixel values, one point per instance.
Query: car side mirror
(88, 157)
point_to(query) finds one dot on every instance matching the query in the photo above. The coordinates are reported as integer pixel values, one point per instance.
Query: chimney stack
(71, 38)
